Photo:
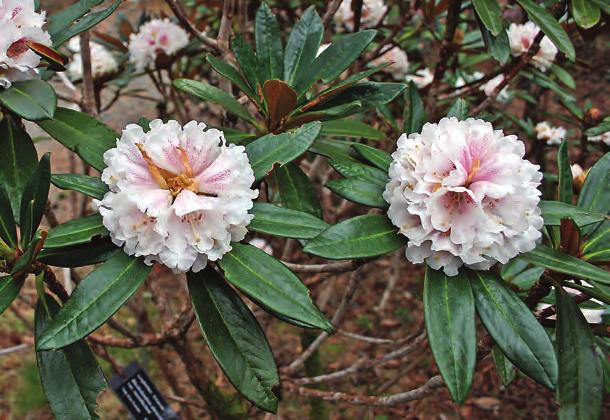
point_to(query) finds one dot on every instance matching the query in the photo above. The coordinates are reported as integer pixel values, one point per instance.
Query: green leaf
(302, 45)
(377, 157)
(564, 188)
(268, 44)
(334, 149)
(82, 134)
(552, 259)
(414, 115)
(450, 323)
(247, 60)
(19, 160)
(71, 378)
(603, 4)
(83, 24)
(272, 285)
(359, 237)
(8, 230)
(33, 99)
(490, 13)
(586, 13)
(271, 150)
(506, 370)
(369, 94)
(280, 221)
(34, 199)
(595, 196)
(550, 27)
(62, 19)
(554, 211)
(88, 185)
(349, 127)
(235, 338)
(97, 297)
(9, 289)
(213, 94)
(296, 190)
(94, 252)
(75, 232)
(581, 379)
(563, 76)
(26, 259)
(597, 248)
(229, 72)
(351, 169)
(359, 191)
(459, 109)
(513, 327)
(497, 46)
(332, 113)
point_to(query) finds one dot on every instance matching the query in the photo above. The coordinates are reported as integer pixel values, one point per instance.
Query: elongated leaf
(497, 46)
(227, 71)
(331, 113)
(281, 221)
(450, 323)
(563, 76)
(377, 157)
(490, 13)
(586, 13)
(552, 259)
(414, 115)
(334, 149)
(71, 378)
(26, 259)
(594, 195)
(603, 4)
(82, 134)
(369, 94)
(550, 27)
(247, 60)
(235, 339)
(272, 285)
(597, 248)
(581, 378)
(359, 191)
(268, 44)
(77, 231)
(34, 199)
(513, 327)
(271, 150)
(88, 185)
(81, 255)
(302, 45)
(506, 370)
(564, 189)
(83, 24)
(18, 162)
(60, 20)
(359, 237)
(554, 211)
(9, 289)
(459, 109)
(296, 190)
(97, 297)
(349, 127)
(357, 170)
(33, 100)
(8, 230)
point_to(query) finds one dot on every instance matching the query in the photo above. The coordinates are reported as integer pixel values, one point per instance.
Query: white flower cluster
(399, 62)
(462, 194)
(604, 137)
(178, 195)
(372, 12)
(521, 38)
(20, 24)
(421, 78)
(155, 37)
(103, 62)
(552, 135)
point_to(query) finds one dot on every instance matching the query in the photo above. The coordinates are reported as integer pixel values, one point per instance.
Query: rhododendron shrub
(334, 167)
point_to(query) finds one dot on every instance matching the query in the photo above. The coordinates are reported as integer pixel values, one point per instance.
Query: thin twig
(181, 14)
(334, 267)
(330, 11)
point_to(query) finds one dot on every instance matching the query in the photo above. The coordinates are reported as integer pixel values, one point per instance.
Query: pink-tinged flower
(604, 137)
(462, 194)
(178, 195)
(521, 38)
(553, 135)
(492, 84)
(399, 62)
(155, 37)
(103, 62)
(372, 12)
(21, 13)
(421, 78)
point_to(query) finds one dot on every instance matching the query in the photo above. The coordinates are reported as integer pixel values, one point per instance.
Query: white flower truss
(399, 62)
(20, 24)
(372, 13)
(421, 78)
(178, 195)
(103, 62)
(604, 137)
(154, 38)
(521, 38)
(553, 135)
(462, 194)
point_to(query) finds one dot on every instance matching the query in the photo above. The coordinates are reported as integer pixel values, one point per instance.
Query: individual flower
(492, 84)
(155, 38)
(399, 63)
(462, 194)
(372, 12)
(552, 135)
(103, 62)
(178, 195)
(521, 38)
(604, 137)
(421, 78)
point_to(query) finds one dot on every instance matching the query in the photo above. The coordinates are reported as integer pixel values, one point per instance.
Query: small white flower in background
(262, 245)
(372, 12)
(20, 24)
(552, 135)
(492, 84)
(577, 171)
(321, 49)
(462, 194)
(154, 38)
(421, 78)
(399, 60)
(103, 62)
(467, 78)
(178, 195)
(521, 38)
(604, 137)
